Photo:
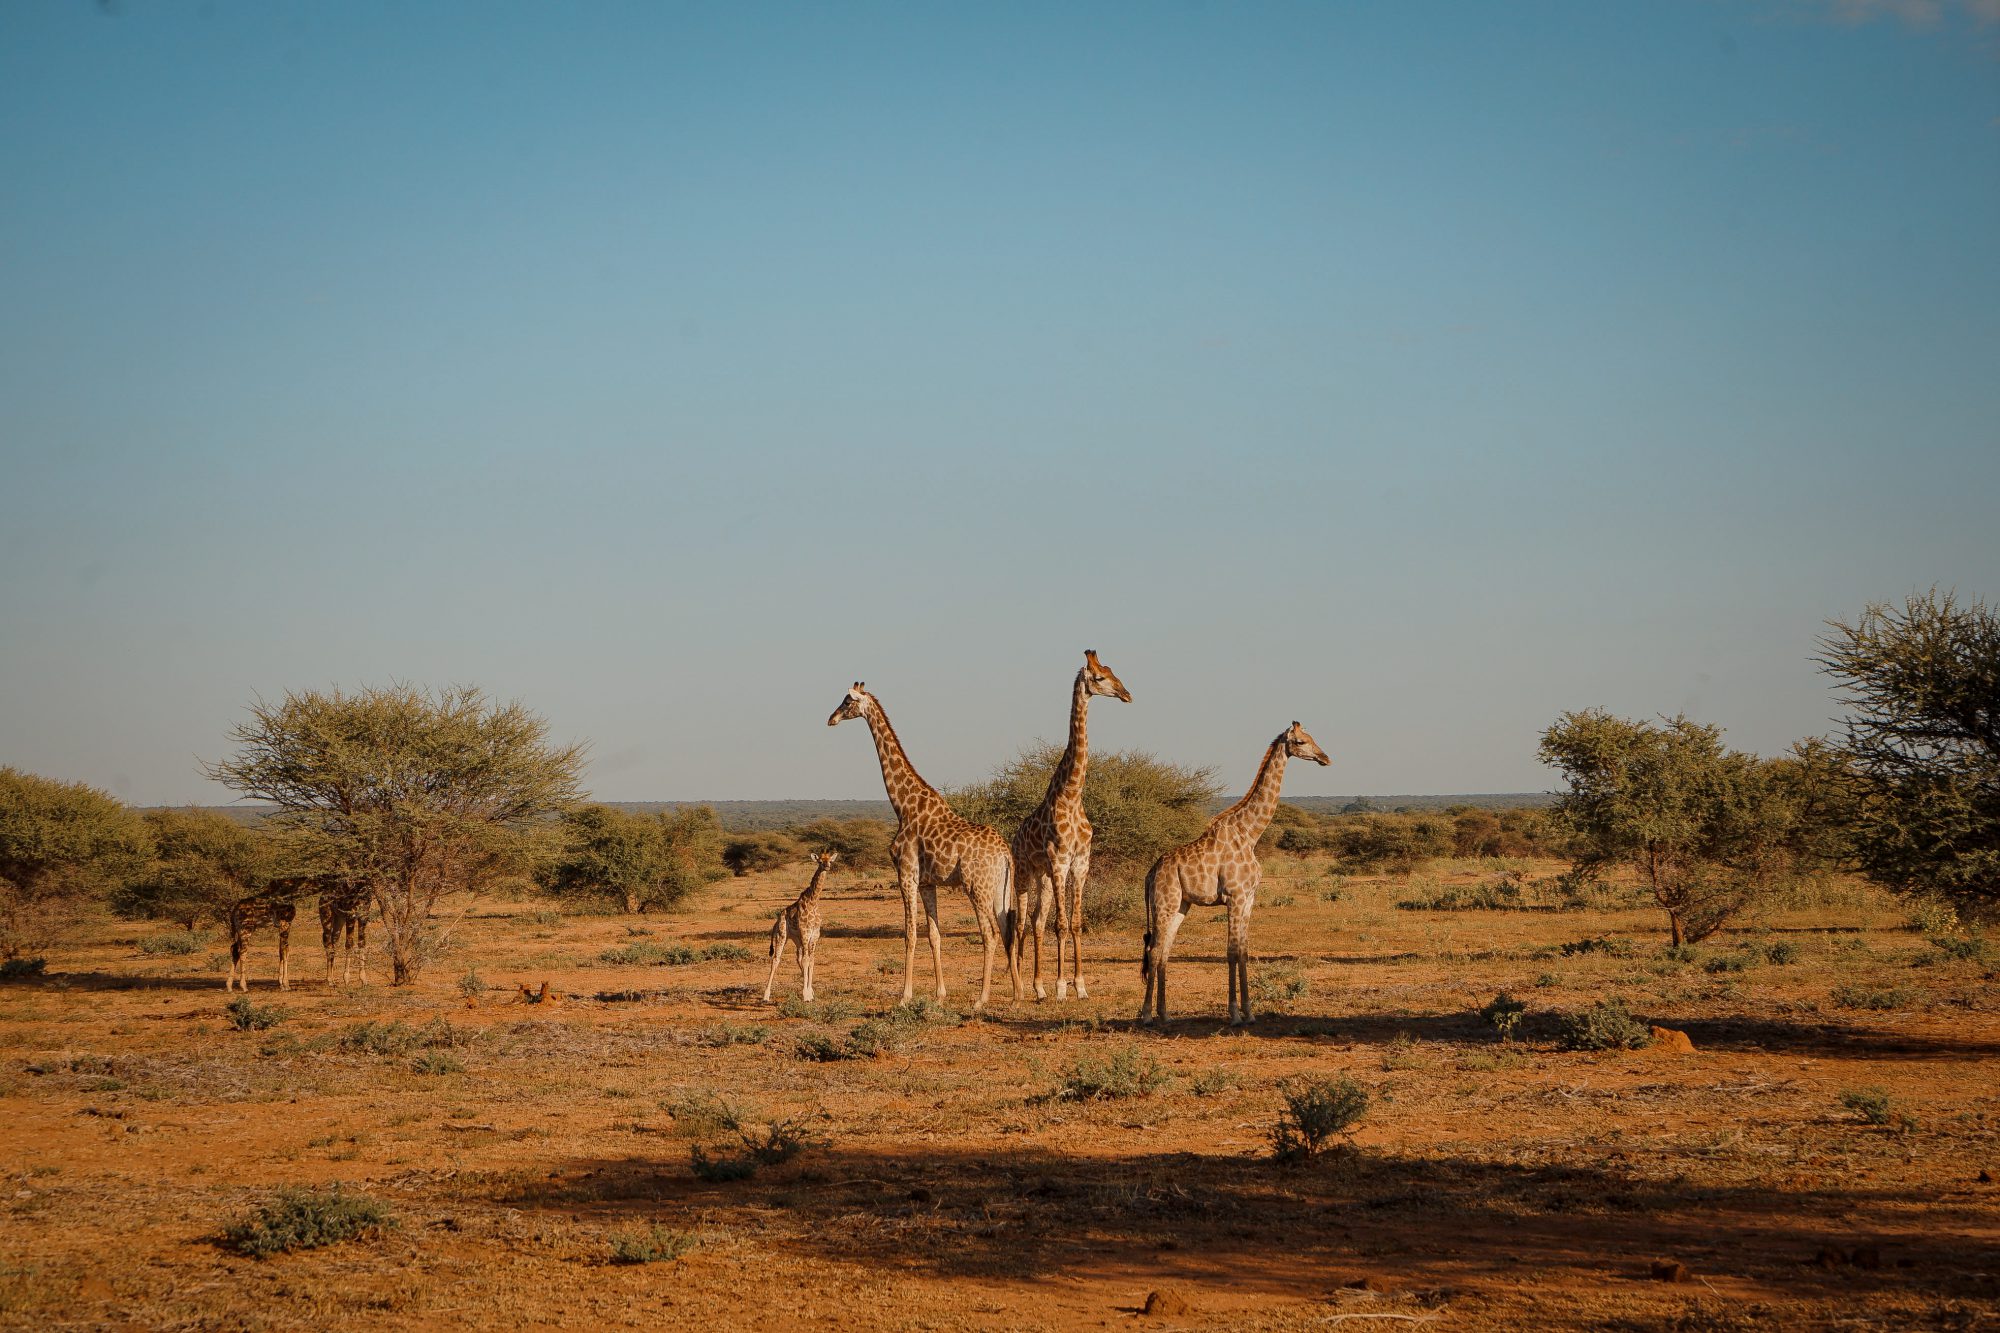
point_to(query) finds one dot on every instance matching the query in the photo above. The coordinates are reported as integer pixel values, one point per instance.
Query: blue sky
(1418, 371)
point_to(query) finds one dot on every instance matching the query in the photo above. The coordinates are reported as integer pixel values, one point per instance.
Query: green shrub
(729, 1034)
(177, 942)
(1315, 1112)
(1728, 962)
(1611, 946)
(437, 1062)
(1869, 997)
(658, 1244)
(20, 969)
(699, 1115)
(1871, 1104)
(1503, 1014)
(1605, 1026)
(823, 1047)
(302, 1219)
(725, 952)
(721, 1168)
(247, 1017)
(895, 1028)
(1124, 1074)
(1275, 983)
(1212, 1082)
(1781, 951)
(1960, 948)
(472, 985)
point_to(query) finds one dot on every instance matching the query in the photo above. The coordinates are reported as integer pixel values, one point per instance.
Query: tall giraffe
(1052, 846)
(800, 921)
(1218, 867)
(934, 846)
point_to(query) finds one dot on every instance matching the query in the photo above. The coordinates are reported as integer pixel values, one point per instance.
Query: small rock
(921, 1195)
(1672, 1041)
(1165, 1301)
(1986, 1177)
(1671, 1270)
(1369, 1283)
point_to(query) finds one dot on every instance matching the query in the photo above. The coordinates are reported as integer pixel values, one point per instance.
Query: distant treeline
(760, 816)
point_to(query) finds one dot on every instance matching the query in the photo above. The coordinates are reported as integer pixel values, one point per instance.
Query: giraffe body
(934, 846)
(801, 922)
(274, 906)
(1052, 847)
(1218, 868)
(343, 918)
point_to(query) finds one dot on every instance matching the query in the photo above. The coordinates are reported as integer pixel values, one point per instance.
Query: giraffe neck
(908, 793)
(812, 889)
(1250, 816)
(1066, 783)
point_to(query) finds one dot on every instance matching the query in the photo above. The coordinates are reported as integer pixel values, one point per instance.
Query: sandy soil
(1492, 1185)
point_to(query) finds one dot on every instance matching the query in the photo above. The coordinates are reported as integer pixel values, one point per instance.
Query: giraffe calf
(800, 921)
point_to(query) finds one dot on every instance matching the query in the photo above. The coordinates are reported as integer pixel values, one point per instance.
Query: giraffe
(1218, 867)
(934, 846)
(1052, 846)
(800, 921)
(277, 905)
(343, 911)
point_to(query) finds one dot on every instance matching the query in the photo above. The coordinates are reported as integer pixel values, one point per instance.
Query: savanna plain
(650, 1144)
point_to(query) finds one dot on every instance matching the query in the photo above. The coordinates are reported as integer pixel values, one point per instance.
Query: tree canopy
(202, 861)
(415, 793)
(1138, 804)
(1702, 824)
(1921, 743)
(62, 845)
(636, 861)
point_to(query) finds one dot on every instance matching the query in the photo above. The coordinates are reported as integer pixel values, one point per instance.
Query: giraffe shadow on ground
(1438, 1221)
(123, 981)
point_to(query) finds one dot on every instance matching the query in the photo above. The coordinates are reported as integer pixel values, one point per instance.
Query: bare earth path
(1491, 1186)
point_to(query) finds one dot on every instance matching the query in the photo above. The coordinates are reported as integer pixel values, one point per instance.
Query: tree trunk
(631, 901)
(1674, 920)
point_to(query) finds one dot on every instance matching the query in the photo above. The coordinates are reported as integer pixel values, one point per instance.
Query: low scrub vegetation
(247, 1017)
(304, 1219)
(1317, 1114)
(1126, 1072)
(1605, 1026)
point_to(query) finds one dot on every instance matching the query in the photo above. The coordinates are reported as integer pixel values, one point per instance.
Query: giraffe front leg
(906, 881)
(1239, 964)
(1058, 880)
(1079, 869)
(361, 947)
(989, 939)
(808, 957)
(928, 892)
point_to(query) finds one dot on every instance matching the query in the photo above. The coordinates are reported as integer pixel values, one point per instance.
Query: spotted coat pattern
(1052, 847)
(1219, 867)
(934, 846)
(801, 922)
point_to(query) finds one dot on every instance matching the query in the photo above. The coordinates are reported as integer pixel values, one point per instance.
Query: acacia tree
(417, 794)
(1703, 825)
(62, 844)
(1138, 804)
(202, 862)
(639, 861)
(1922, 744)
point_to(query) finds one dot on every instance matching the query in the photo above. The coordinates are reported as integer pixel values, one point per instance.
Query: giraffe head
(856, 704)
(1101, 679)
(825, 860)
(1298, 745)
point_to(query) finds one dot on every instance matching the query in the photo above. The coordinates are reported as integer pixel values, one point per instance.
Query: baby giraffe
(800, 921)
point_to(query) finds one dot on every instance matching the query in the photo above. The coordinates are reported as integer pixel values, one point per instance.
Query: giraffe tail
(1146, 951)
(1007, 912)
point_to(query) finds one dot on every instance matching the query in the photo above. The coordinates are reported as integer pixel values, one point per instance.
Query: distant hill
(751, 816)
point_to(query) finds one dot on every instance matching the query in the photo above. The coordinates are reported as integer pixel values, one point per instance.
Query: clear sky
(1416, 370)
